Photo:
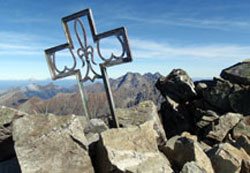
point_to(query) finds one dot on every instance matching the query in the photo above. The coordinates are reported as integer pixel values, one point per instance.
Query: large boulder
(180, 150)
(177, 85)
(50, 143)
(225, 123)
(131, 149)
(238, 73)
(137, 115)
(7, 116)
(226, 158)
(218, 93)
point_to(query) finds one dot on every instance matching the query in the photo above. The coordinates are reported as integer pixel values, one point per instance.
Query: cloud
(219, 24)
(151, 49)
(16, 43)
(21, 44)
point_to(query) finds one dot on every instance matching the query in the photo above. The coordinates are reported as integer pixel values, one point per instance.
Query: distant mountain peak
(33, 87)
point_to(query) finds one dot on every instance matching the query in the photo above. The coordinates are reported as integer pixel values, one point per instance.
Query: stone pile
(202, 127)
(216, 112)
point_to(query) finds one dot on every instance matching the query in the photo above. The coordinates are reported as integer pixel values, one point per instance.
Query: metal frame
(86, 54)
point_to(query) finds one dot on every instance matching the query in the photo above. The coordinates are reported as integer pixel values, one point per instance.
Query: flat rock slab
(50, 143)
(238, 73)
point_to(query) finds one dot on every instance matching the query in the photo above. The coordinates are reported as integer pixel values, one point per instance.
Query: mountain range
(128, 90)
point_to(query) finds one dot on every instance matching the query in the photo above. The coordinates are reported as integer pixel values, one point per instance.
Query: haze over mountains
(128, 90)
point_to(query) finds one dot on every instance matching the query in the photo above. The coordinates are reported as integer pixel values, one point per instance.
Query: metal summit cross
(85, 53)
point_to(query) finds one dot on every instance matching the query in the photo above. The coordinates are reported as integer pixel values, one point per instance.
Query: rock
(200, 87)
(7, 116)
(137, 115)
(192, 167)
(175, 118)
(131, 149)
(180, 150)
(205, 124)
(10, 166)
(94, 128)
(168, 149)
(205, 121)
(177, 85)
(218, 93)
(226, 158)
(244, 142)
(205, 115)
(225, 124)
(239, 101)
(50, 143)
(242, 128)
(92, 132)
(238, 73)
(203, 105)
(189, 136)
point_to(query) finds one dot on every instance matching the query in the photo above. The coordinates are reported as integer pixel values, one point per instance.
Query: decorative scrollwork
(85, 51)
(66, 69)
(112, 56)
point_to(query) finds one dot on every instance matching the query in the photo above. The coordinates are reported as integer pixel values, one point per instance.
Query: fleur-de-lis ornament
(86, 54)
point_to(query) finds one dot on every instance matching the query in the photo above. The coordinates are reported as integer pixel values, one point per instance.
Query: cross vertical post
(83, 95)
(114, 123)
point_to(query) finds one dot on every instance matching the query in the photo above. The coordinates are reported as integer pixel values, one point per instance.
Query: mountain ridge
(128, 90)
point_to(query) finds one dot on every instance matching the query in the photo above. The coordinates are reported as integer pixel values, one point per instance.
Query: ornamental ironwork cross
(85, 53)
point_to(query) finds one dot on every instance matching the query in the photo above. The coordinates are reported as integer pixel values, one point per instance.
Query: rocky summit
(201, 127)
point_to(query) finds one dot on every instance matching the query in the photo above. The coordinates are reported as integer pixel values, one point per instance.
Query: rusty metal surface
(86, 54)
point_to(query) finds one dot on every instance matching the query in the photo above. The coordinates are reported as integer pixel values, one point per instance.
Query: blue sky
(202, 37)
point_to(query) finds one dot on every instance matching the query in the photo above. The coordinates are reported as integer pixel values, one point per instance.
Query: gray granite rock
(177, 85)
(224, 125)
(242, 128)
(50, 143)
(217, 95)
(131, 149)
(238, 73)
(180, 150)
(7, 116)
(226, 158)
(141, 113)
(192, 167)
